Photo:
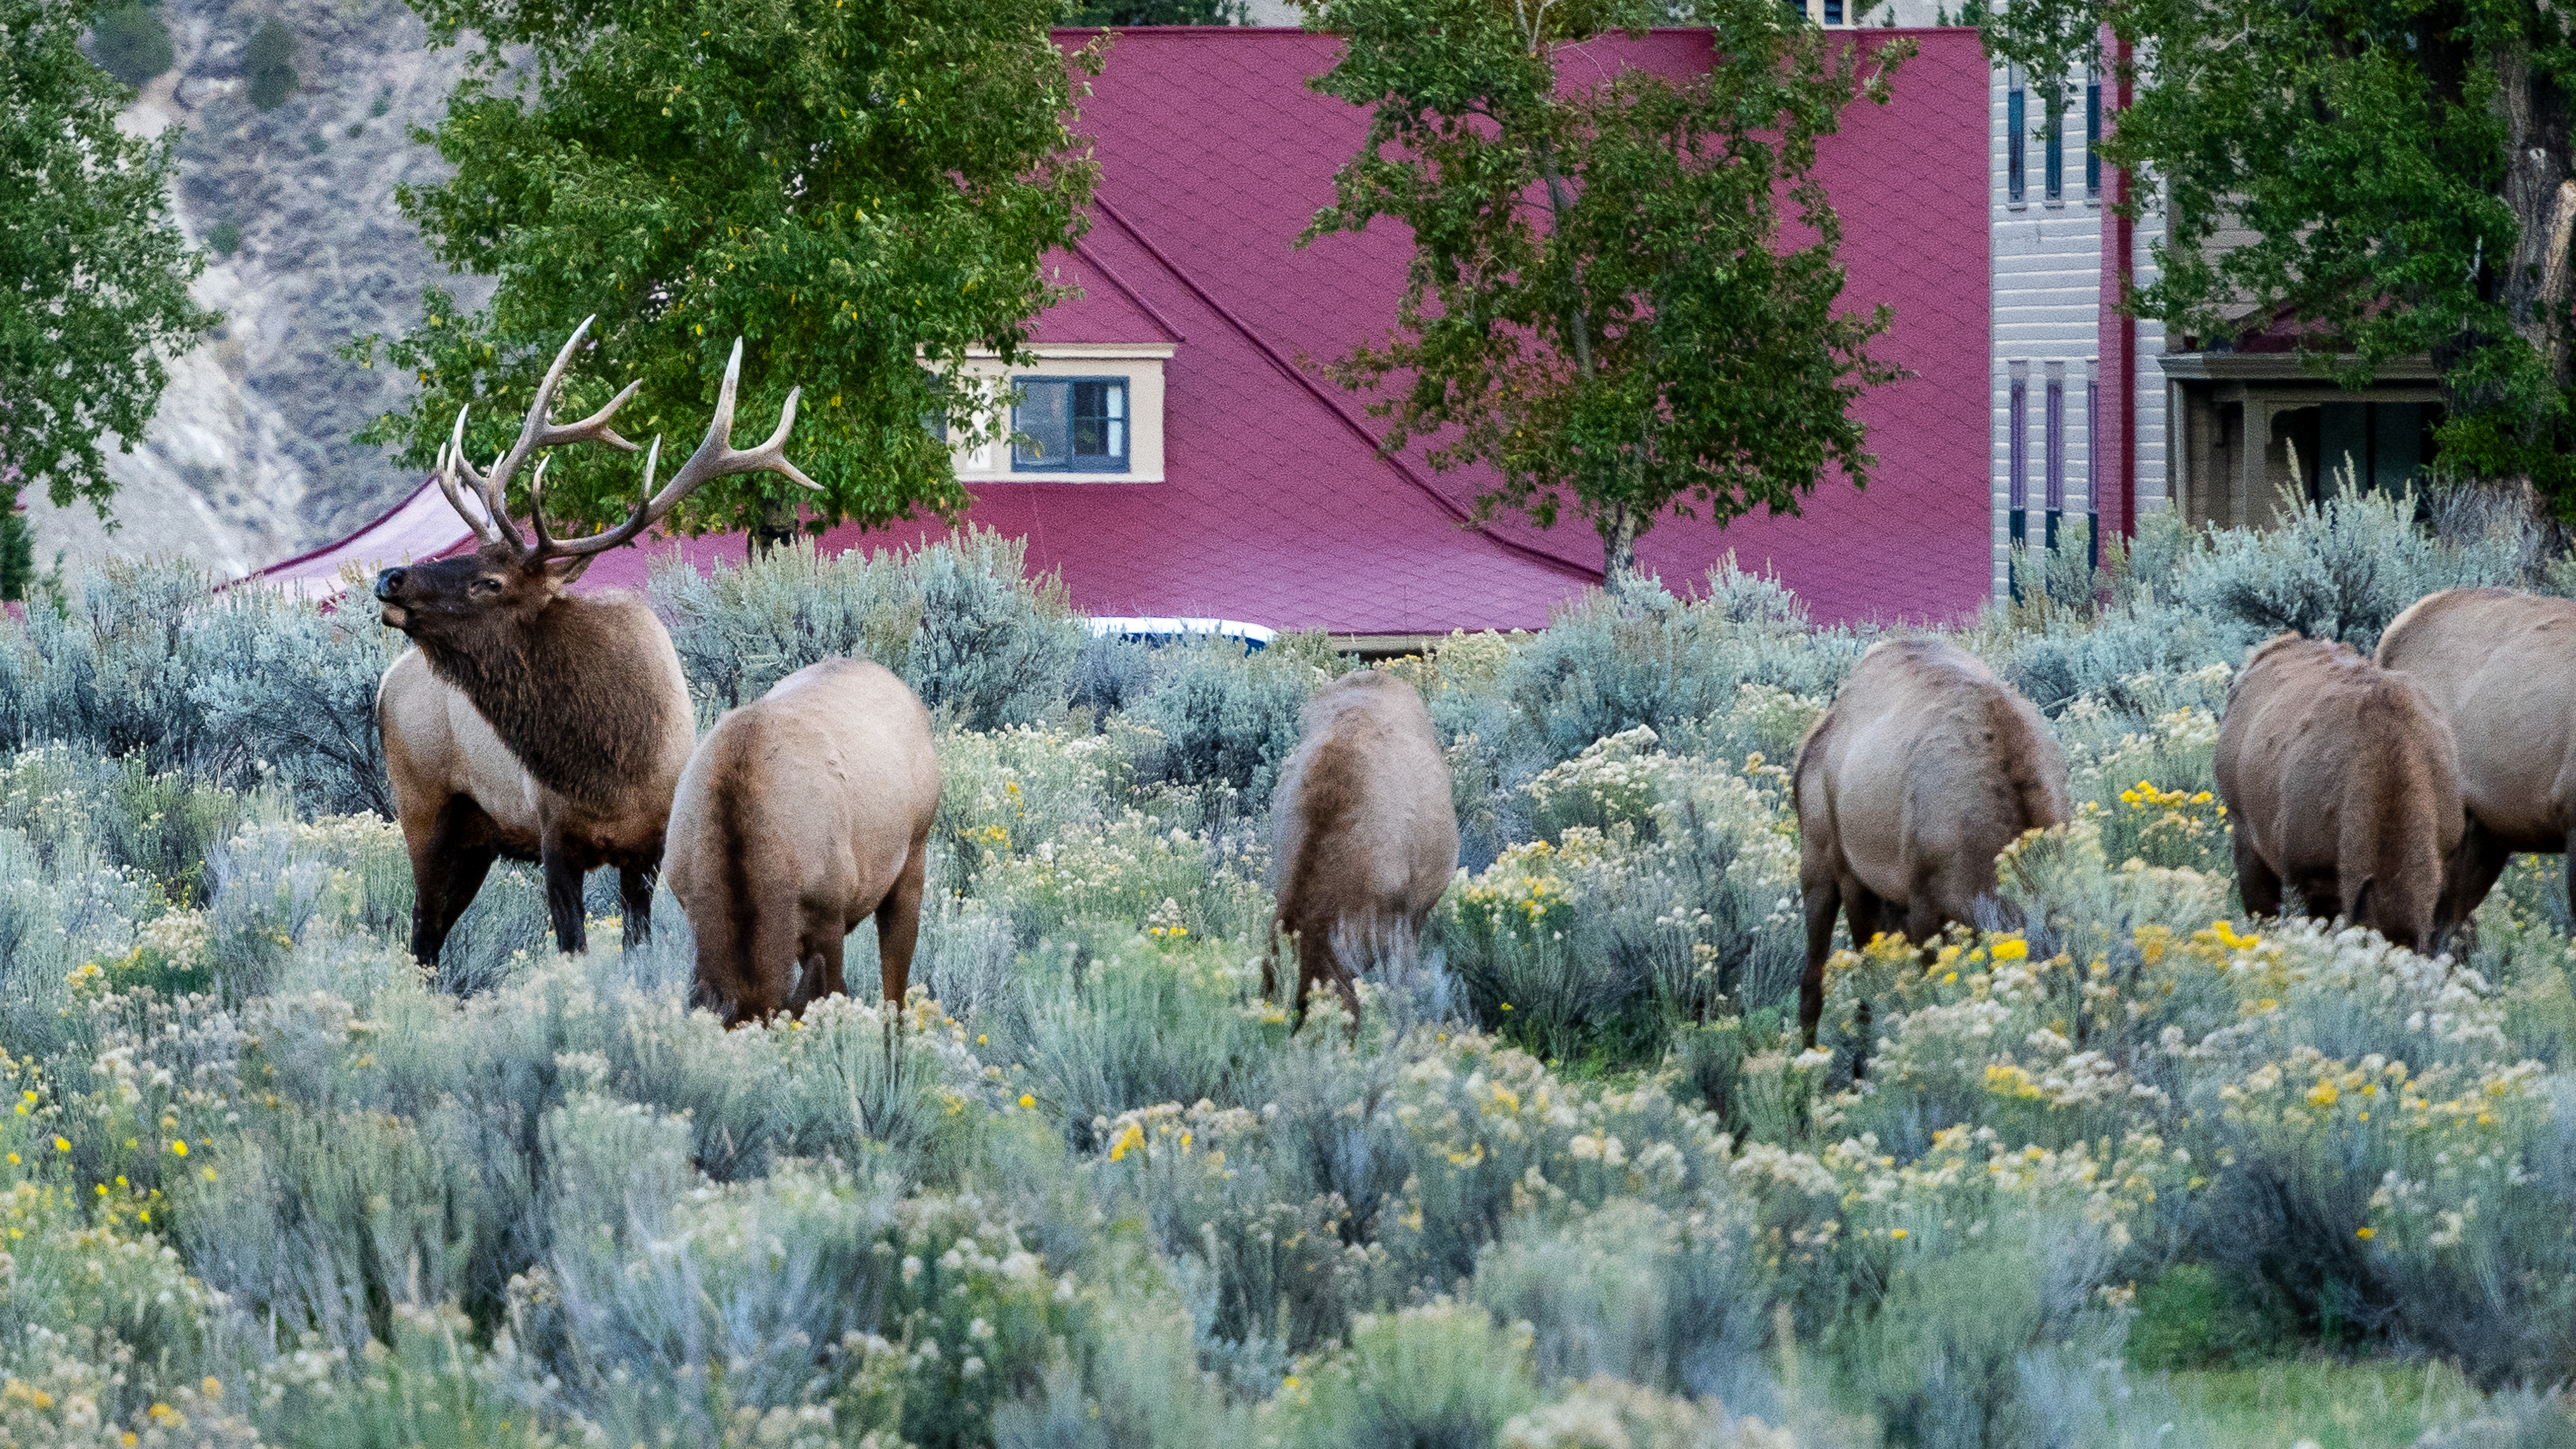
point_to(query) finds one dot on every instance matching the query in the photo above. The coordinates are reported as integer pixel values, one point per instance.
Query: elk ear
(566, 571)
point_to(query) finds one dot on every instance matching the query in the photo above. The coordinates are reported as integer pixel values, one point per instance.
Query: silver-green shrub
(1637, 655)
(981, 643)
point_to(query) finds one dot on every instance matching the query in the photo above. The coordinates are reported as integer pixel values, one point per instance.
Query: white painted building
(2056, 463)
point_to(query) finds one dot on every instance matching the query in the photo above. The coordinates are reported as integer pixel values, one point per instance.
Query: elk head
(480, 602)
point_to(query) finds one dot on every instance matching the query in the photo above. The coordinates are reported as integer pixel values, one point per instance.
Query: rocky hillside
(249, 460)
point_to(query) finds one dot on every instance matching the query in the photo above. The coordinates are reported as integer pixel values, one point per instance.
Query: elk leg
(2470, 873)
(1864, 912)
(2257, 884)
(820, 975)
(635, 903)
(563, 895)
(1316, 961)
(899, 925)
(1824, 897)
(447, 872)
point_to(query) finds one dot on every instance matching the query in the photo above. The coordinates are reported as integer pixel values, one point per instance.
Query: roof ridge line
(1115, 280)
(1298, 375)
(371, 525)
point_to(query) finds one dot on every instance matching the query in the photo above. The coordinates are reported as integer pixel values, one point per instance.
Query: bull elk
(530, 722)
(2343, 782)
(1364, 832)
(2500, 667)
(1923, 770)
(803, 814)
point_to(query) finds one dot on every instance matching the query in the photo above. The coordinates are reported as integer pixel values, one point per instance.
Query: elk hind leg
(2257, 884)
(635, 904)
(2470, 873)
(1824, 897)
(899, 925)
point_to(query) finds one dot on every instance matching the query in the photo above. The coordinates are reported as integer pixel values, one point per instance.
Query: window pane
(2053, 178)
(2093, 136)
(2056, 446)
(1042, 417)
(2016, 449)
(2013, 127)
(1100, 426)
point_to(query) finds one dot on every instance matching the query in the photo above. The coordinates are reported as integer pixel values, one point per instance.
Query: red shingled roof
(1277, 508)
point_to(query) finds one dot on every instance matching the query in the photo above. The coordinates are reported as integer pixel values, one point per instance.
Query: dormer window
(1070, 425)
(1079, 412)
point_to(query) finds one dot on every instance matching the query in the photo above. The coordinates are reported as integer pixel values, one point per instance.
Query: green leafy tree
(2393, 174)
(17, 551)
(132, 43)
(863, 192)
(1600, 308)
(93, 275)
(269, 62)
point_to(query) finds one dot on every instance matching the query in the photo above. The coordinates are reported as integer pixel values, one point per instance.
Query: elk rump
(2500, 666)
(1364, 833)
(2341, 780)
(802, 814)
(1926, 767)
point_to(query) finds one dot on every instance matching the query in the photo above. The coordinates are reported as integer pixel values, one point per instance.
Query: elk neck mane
(572, 693)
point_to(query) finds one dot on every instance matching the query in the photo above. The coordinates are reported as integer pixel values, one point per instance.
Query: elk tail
(1326, 799)
(2019, 763)
(2386, 835)
(759, 935)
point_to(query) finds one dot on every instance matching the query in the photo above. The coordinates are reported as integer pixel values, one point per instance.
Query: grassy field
(2143, 1172)
(2330, 1405)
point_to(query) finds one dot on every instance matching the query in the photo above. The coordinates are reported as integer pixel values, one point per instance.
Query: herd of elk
(538, 724)
(528, 721)
(531, 722)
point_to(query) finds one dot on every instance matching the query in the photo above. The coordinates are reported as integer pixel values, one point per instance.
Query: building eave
(2282, 367)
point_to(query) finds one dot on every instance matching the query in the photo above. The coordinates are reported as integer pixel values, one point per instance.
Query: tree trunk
(1619, 546)
(778, 524)
(2542, 196)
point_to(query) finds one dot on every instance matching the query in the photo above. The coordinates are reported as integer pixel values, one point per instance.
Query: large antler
(716, 457)
(535, 433)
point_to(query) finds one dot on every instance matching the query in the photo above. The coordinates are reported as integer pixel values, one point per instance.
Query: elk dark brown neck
(570, 690)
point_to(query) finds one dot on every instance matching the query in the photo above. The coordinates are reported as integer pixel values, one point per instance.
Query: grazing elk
(803, 814)
(2342, 781)
(2500, 667)
(1364, 833)
(1926, 767)
(530, 722)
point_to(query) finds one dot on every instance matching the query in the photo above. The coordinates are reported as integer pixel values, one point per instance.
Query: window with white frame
(1068, 412)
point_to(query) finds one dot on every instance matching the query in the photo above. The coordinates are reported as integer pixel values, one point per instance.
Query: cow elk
(530, 722)
(803, 814)
(2343, 783)
(1364, 831)
(1926, 767)
(2500, 667)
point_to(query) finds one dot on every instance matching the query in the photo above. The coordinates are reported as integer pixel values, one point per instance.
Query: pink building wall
(1276, 509)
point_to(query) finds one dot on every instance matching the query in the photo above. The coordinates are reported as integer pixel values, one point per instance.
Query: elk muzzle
(388, 584)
